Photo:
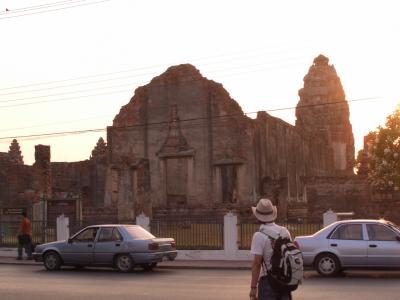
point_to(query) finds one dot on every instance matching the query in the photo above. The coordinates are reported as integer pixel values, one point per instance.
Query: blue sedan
(119, 246)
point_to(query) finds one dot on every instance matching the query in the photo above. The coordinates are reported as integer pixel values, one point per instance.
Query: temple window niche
(227, 183)
(176, 174)
(177, 164)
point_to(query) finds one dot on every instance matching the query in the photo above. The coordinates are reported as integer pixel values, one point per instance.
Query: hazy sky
(72, 69)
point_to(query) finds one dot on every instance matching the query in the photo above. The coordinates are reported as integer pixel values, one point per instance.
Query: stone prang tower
(323, 113)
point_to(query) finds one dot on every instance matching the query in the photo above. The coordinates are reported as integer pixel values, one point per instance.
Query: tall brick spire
(324, 112)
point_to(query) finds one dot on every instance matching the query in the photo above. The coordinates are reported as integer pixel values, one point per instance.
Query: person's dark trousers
(24, 241)
(266, 292)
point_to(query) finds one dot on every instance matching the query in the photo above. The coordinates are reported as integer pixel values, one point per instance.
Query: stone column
(143, 221)
(329, 217)
(62, 228)
(230, 234)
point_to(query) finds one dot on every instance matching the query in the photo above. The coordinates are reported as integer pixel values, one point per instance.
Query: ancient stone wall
(286, 156)
(79, 179)
(16, 182)
(350, 194)
(99, 215)
(196, 139)
(341, 194)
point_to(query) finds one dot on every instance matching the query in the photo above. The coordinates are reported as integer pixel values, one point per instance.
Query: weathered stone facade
(203, 152)
(183, 146)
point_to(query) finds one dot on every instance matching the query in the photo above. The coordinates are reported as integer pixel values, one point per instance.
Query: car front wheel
(327, 265)
(52, 261)
(124, 263)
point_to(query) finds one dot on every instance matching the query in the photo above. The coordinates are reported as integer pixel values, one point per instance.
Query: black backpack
(287, 265)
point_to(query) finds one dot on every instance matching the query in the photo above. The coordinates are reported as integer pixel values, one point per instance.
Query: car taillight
(154, 246)
(296, 244)
(173, 244)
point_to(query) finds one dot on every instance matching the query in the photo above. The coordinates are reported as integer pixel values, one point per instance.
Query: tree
(383, 154)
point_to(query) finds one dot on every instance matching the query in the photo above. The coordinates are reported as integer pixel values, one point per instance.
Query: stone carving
(175, 142)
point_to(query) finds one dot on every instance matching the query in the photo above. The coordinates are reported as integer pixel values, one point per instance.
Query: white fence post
(230, 234)
(329, 217)
(143, 221)
(62, 228)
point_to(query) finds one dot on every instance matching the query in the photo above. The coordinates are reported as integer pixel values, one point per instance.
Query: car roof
(112, 225)
(362, 221)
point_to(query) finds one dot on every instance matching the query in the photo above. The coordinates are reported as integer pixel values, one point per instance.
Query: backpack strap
(270, 238)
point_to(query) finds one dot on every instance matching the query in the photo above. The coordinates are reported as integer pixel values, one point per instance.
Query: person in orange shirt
(24, 237)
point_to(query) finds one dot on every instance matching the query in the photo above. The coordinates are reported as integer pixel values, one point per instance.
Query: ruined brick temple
(183, 146)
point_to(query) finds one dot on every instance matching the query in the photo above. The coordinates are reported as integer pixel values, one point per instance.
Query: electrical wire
(51, 10)
(37, 7)
(63, 133)
(187, 80)
(126, 77)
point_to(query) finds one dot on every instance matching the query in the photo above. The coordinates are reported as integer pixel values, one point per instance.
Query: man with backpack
(277, 266)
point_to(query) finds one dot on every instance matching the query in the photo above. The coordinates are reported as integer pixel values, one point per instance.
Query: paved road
(34, 283)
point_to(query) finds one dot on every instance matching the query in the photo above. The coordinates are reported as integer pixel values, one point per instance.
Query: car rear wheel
(327, 265)
(124, 263)
(52, 261)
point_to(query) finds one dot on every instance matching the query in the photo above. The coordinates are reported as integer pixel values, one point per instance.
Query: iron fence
(41, 233)
(201, 234)
(246, 231)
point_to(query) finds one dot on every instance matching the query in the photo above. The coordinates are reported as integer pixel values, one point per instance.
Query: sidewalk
(8, 255)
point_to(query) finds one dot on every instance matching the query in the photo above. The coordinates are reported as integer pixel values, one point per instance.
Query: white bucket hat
(265, 211)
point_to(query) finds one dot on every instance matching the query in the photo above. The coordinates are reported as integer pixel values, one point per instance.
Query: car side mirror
(69, 240)
(398, 238)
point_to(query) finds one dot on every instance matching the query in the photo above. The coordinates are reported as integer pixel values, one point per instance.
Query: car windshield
(138, 232)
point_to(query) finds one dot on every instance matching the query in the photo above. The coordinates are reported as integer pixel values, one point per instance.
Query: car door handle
(373, 246)
(334, 245)
(117, 245)
(90, 246)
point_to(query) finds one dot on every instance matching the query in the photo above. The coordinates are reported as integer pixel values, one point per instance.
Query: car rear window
(379, 232)
(348, 232)
(139, 233)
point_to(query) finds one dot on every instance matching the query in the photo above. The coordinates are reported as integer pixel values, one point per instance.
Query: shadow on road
(106, 272)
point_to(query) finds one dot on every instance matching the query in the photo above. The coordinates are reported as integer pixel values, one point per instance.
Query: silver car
(119, 246)
(352, 244)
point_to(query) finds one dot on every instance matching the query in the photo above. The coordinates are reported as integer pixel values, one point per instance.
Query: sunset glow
(73, 69)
